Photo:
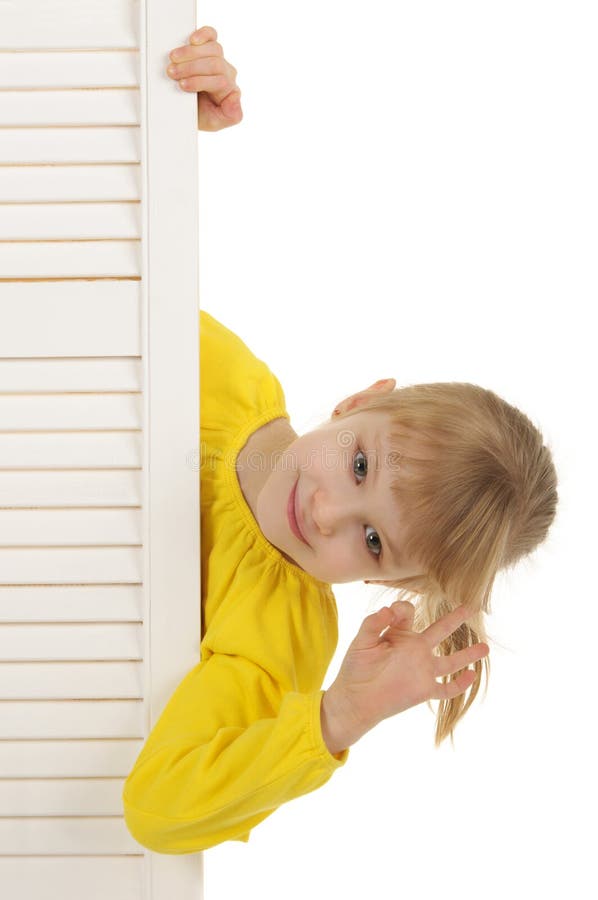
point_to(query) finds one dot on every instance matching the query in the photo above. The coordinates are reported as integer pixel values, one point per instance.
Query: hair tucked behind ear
(477, 491)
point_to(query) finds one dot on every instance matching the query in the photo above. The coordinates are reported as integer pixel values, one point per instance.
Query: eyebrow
(394, 556)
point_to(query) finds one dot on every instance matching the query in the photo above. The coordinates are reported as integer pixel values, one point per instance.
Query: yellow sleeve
(226, 752)
(235, 385)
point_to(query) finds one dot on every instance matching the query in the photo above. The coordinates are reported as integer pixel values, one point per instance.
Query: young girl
(430, 489)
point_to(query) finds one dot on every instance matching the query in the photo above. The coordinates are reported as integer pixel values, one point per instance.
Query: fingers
(218, 86)
(200, 66)
(206, 61)
(206, 33)
(456, 686)
(447, 665)
(441, 629)
(196, 51)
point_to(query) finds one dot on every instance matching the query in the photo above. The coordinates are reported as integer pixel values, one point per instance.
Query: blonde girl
(427, 489)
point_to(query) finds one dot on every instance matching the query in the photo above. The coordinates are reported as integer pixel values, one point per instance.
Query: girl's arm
(200, 67)
(230, 747)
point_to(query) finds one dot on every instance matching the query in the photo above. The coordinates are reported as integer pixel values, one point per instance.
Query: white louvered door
(99, 424)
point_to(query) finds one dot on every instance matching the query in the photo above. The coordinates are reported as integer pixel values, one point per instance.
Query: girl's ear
(384, 386)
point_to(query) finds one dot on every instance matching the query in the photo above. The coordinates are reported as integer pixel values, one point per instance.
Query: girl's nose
(328, 512)
(321, 514)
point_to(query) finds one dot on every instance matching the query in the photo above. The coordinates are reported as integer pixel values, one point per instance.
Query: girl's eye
(363, 460)
(376, 546)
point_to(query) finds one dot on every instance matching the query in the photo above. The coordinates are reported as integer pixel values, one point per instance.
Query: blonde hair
(477, 489)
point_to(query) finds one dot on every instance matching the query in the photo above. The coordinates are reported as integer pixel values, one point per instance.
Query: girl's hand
(384, 675)
(200, 67)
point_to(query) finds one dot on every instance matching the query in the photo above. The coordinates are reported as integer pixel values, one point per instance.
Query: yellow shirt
(241, 734)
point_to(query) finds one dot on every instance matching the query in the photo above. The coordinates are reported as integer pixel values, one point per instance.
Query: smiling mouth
(292, 515)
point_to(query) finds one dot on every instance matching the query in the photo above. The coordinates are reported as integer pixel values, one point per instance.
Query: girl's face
(340, 476)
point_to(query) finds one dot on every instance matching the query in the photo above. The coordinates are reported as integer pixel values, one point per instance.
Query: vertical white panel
(170, 332)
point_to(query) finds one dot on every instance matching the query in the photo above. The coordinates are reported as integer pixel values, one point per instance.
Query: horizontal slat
(70, 145)
(34, 719)
(104, 317)
(55, 412)
(22, 184)
(68, 797)
(72, 603)
(50, 878)
(71, 69)
(65, 23)
(71, 566)
(72, 528)
(70, 681)
(76, 641)
(69, 221)
(66, 681)
(22, 837)
(70, 107)
(29, 489)
(54, 375)
(68, 759)
(68, 259)
(119, 449)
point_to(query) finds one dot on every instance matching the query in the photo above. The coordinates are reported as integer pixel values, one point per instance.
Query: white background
(413, 194)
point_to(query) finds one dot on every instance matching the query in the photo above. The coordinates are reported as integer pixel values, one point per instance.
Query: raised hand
(383, 674)
(200, 67)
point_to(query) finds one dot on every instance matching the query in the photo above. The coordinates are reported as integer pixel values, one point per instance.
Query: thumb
(369, 632)
(403, 614)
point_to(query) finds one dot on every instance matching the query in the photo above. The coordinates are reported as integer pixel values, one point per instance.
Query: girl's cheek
(341, 557)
